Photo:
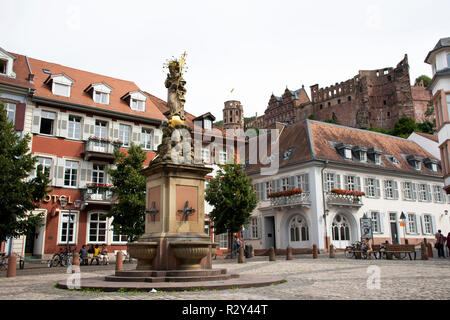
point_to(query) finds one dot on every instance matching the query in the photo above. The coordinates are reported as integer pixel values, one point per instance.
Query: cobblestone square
(307, 279)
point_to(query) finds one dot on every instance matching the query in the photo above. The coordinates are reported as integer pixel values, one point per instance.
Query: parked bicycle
(351, 251)
(3, 261)
(63, 258)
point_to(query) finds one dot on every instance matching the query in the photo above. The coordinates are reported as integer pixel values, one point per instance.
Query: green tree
(425, 127)
(404, 127)
(233, 197)
(19, 194)
(426, 80)
(129, 187)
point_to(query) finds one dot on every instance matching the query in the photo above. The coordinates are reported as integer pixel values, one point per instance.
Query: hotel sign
(56, 197)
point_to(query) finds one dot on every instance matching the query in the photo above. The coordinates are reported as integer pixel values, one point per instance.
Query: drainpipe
(324, 206)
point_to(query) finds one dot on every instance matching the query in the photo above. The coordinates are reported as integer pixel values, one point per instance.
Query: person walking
(440, 244)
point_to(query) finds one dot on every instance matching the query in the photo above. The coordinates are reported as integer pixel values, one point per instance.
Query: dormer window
(136, 100)
(347, 153)
(362, 156)
(392, 159)
(138, 105)
(207, 124)
(417, 165)
(100, 92)
(431, 164)
(377, 158)
(434, 167)
(61, 84)
(3, 66)
(61, 89)
(101, 97)
(415, 162)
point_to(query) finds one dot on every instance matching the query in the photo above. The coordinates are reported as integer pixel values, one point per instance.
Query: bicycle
(61, 258)
(3, 261)
(350, 251)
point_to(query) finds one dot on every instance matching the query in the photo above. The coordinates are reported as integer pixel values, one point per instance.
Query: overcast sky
(256, 47)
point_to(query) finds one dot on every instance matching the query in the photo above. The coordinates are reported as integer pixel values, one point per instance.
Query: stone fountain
(175, 253)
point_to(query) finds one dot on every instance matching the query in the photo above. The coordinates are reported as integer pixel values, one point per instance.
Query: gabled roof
(22, 71)
(316, 140)
(82, 80)
(206, 115)
(432, 137)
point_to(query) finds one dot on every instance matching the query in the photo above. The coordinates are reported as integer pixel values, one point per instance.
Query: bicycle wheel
(349, 252)
(65, 260)
(55, 261)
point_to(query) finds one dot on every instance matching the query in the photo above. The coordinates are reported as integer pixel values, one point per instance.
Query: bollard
(76, 259)
(119, 261)
(12, 265)
(271, 254)
(252, 252)
(315, 251)
(332, 251)
(430, 250)
(241, 256)
(289, 253)
(423, 251)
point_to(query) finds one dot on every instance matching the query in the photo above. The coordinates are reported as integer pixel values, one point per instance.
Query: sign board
(402, 224)
(366, 228)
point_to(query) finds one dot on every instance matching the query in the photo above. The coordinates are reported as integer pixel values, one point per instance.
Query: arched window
(340, 228)
(298, 229)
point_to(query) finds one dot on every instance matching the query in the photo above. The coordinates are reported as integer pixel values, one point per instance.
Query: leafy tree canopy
(426, 80)
(19, 194)
(129, 187)
(232, 195)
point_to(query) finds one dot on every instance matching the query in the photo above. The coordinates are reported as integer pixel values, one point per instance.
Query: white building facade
(335, 159)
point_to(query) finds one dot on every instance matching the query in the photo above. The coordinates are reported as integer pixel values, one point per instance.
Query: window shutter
(358, 183)
(20, 117)
(345, 182)
(89, 167)
(407, 224)
(377, 188)
(325, 185)
(35, 127)
(63, 124)
(291, 183)
(429, 193)
(385, 188)
(83, 174)
(396, 196)
(414, 191)
(296, 182)
(366, 186)
(59, 172)
(404, 190)
(418, 224)
(338, 181)
(306, 182)
(115, 127)
(157, 136)
(382, 222)
(277, 185)
(422, 224)
(88, 124)
(136, 135)
(264, 191)
(259, 228)
(433, 224)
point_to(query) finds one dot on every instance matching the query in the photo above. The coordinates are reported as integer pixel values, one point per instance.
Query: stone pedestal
(430, 250)
(174, 236)
(423, 251)
(241, 256)
(12, 266)
(119, 261)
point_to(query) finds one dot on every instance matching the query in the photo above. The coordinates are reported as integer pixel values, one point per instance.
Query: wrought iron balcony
(99, 196)
(334, 199)
(98, 149)
(301, 199)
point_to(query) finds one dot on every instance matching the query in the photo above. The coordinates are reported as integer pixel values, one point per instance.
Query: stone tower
(233, 115)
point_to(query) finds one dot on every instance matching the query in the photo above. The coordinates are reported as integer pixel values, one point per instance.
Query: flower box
(285, 193)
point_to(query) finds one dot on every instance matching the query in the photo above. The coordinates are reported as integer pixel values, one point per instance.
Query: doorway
(269, 228)
(29, 242)
(394, 231)
(340, 232)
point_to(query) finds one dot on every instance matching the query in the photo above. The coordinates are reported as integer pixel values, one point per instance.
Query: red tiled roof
(21, 69)
(320, 136)
(82, 79)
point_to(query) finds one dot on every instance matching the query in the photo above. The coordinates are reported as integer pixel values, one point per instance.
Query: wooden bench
(396, 250)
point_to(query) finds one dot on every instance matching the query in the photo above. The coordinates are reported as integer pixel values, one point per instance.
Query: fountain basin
(144, 252)
(190, 253)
